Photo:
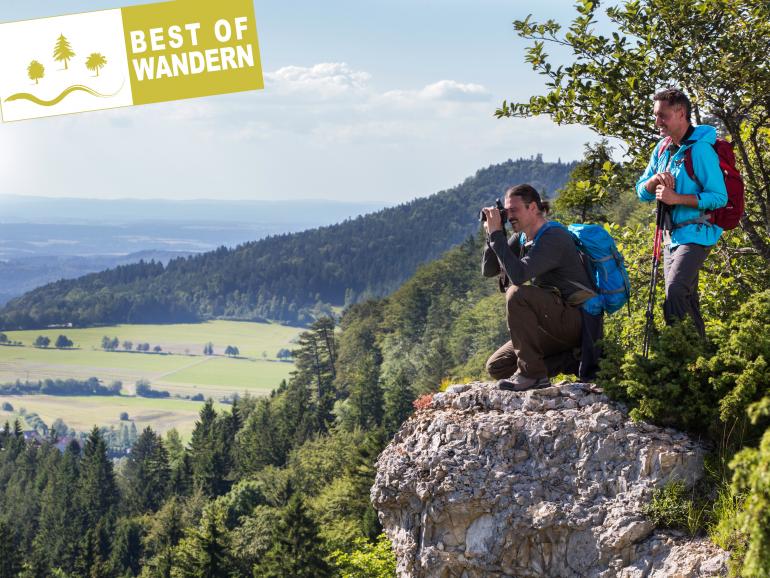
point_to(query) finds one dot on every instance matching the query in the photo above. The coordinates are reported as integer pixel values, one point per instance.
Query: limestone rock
(552, 482)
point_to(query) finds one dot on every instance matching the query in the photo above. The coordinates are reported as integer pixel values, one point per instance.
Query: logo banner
(133, 55)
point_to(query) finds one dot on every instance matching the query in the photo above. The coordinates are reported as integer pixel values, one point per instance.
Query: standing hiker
(685, 200)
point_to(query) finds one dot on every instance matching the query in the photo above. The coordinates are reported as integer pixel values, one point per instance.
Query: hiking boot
(519, 382)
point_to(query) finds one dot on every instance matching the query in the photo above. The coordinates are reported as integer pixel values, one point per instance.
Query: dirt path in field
(188, 366)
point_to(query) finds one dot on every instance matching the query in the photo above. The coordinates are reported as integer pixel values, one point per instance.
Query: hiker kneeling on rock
(545, 283)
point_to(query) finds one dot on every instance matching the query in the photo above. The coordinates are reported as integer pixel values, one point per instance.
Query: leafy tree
(232, 351)
(123, 416)
(3, 338)
(59, 428)
(63, 52)
(157, 349)
(35, 71)
(63, 341)
(368, 560)
(7, 406)
(95, 62)
(110, 344)
(283, 353)
(142, 387)
(593, 186)
(208, 349)
(128, 345)
(42, 341)
(608, 84)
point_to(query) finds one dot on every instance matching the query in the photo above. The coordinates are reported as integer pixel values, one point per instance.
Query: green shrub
(367, 560)
(752, 480)
(696, 385)
(668, 388)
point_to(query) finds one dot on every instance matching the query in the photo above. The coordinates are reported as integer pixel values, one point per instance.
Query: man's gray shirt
(552, 262)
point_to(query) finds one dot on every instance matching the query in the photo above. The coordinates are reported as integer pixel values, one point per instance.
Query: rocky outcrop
(488, 483)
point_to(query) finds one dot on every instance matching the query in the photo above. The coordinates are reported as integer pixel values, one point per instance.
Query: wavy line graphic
(66, 92)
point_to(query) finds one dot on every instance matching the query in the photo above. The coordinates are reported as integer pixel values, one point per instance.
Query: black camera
(500, 207)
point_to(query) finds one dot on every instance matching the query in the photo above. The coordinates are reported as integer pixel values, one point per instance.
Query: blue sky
(378, 101)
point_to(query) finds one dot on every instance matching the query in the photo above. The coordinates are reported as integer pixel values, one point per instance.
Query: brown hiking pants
(544, 332)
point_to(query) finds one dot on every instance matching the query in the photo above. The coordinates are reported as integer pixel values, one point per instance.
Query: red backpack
(729, 216)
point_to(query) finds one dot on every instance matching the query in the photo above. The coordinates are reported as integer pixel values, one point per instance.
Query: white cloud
(441, 91)
(325, 80)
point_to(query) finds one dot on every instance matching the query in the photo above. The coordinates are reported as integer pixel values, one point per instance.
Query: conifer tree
(398, 402)
(127, 550)
(210, 452)
(97, 497)
(296, 549)
(359, 364)
(63, 51)
(205, 551)
(259, 443)
(316, 360)
(163, 534)
(10, 559)
(53, 545)
(181, 480)
(146, 474)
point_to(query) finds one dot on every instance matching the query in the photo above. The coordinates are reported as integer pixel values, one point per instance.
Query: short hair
(675, 97)
(528, 195)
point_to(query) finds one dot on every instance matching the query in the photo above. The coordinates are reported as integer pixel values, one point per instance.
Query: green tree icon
(63, 50)
(95, 62)
(35, 71)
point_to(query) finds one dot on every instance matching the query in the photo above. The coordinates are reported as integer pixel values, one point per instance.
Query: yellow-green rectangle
(182, 50)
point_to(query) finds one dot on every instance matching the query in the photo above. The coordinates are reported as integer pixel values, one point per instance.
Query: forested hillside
(276, 487)
(280, 486)
(290, 277)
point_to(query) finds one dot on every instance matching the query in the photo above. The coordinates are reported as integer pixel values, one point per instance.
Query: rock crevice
(552, 482)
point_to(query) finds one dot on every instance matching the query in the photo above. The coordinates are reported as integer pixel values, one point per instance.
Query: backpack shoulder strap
(544, 228)
(689, 167)
(663, 146)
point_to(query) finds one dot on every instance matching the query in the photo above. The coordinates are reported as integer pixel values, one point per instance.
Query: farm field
(82, 413)
(181, 369)
(252, 339)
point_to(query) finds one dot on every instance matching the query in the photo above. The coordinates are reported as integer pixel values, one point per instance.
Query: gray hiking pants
(682, 264)
(544, 334)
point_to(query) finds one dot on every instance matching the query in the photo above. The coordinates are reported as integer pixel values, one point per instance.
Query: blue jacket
(705, 163)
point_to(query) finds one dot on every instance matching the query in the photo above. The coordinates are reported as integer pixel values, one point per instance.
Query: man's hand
(665, 179)
(666, 195)
(670, 197)
(493, 222)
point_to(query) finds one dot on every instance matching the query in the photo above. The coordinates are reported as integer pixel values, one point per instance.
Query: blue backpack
(604, 263)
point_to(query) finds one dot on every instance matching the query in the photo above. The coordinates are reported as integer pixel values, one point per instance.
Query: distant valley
(46, 239)
(289, 277)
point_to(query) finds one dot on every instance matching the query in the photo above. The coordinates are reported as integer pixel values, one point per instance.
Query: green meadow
(181, 368)
(82, 413)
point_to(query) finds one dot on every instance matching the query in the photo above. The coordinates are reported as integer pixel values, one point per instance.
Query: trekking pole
(656, 250)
